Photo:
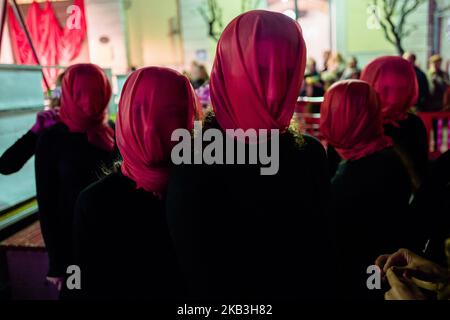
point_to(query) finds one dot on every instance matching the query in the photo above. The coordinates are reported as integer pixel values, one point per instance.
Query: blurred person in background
(352, 70)
(422, 80)
(447, 100)
(326, 57)
(335, 70)
(199, 75)
(313, 85)
(439, 83)
(55, 99)
(204, 96)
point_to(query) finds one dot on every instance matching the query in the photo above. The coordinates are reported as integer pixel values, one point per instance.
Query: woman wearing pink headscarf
(69, 156)
(395, 81)
(371, 189)
(254, 236)
(122, 243)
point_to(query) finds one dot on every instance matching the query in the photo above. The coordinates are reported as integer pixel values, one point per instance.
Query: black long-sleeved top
(122, 243)
(410, 140)
(239, 234)
(15, 157)
(432, 205)
(370, 199)
(65, 164)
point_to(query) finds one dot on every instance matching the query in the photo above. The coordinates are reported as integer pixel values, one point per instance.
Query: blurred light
(284, 1)
(290, 13)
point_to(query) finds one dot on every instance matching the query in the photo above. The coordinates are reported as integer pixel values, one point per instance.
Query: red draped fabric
(49, 42)
(55, 44)
(33, 20)
(74, 32)
(21, 48)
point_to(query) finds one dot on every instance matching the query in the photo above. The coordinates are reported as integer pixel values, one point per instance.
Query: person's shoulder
(110, 184)
(304, 144)
(412, 122)
(374, 165)
(415, 122)
(443, 161)
(51, 136)
(53, 131)
(107, 188)
(312, 143)
(413, 118)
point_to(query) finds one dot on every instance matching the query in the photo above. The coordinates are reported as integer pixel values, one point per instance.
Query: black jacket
(410, 141)
(238, 234)
(122, 244)
(432, 205)
(411, 144)
(65, 164)
(370, 199)
(424, 89)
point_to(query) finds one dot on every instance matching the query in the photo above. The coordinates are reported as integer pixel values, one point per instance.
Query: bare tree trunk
(393, 21)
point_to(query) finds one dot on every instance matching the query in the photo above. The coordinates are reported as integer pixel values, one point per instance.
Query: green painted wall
(352, 37)
(360, 38)
(149, 42)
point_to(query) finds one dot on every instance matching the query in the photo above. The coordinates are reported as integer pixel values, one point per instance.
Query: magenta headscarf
(258, 71)
(155, 102)
(351, 120)
(395, 81)
(85, 96)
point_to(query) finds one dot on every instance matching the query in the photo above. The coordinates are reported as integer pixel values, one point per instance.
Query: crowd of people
(112, 202)
(434, 86)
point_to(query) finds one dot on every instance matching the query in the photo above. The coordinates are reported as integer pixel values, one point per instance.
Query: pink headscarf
(86, 92)
(395, 81)
(154, 103)
(258, 71)
(351, 120)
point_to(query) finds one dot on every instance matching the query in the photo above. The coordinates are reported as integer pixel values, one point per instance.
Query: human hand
(402, 288)
(409, 262)
(45, 120)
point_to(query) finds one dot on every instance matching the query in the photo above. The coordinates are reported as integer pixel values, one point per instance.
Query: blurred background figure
(55, 99)
(335, 70)
(313, 85)
(439, 83)
(204, 96)
(326, 57)
(199, 75)
(352, 70)
(447, 100)
(422, 80)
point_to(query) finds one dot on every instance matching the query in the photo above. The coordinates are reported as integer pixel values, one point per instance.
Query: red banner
(55, 44)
